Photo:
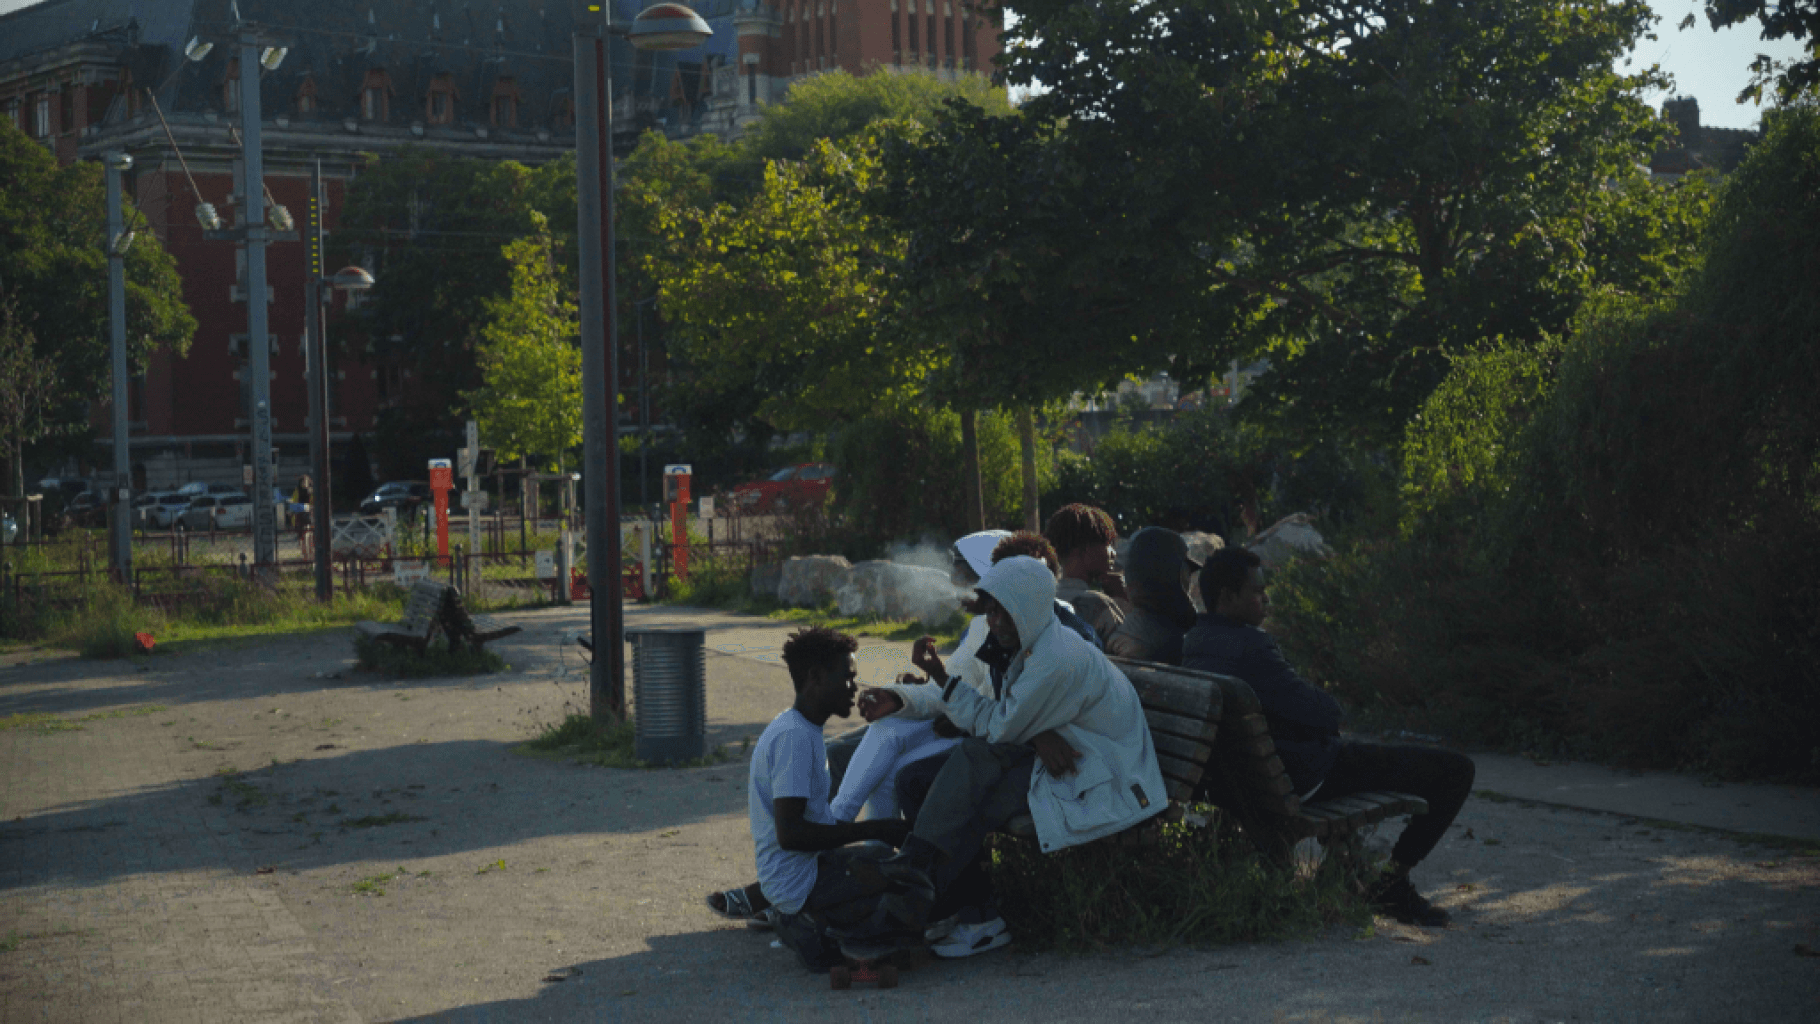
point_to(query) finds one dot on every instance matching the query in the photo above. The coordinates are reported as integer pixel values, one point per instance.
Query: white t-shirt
(789, 760)
(889, 744)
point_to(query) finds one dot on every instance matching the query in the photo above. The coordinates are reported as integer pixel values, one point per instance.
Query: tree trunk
(975, 512)
(1026, 440)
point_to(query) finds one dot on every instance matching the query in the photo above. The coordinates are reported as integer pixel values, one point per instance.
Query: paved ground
(261, 834)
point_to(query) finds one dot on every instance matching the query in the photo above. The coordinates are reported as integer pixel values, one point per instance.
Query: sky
(1709, 66)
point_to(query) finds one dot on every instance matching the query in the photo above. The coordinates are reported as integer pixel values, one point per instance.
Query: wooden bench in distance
(423, 615)
(1183, 709)
(1250, 781)
(473, 630)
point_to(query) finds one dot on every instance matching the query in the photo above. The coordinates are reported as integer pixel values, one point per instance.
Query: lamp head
(272, 56)
(197, 48)
(668, 26)
(115, 160)
(351, 279)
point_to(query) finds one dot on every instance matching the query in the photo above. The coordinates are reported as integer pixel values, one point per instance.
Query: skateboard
(881, 973)
(876, 962)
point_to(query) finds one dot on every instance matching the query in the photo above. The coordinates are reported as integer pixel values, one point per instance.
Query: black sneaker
(1395, 897)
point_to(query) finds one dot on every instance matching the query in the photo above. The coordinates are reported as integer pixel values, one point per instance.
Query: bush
(1613, 550)
(1198, 886)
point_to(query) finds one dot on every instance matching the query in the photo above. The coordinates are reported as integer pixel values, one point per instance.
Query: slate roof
(338, 41)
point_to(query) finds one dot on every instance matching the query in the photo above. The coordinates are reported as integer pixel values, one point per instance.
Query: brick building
(366, 76)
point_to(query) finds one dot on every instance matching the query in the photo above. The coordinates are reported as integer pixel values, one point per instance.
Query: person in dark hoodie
(1305, 724)
(1156, 574)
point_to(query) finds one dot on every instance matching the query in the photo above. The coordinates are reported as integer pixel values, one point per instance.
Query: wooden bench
(1248, 780)
(1183, 709)
(436, 608)
(423, 613)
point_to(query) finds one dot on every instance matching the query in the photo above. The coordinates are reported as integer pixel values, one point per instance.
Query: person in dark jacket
(1156, 576)
(1305, 723)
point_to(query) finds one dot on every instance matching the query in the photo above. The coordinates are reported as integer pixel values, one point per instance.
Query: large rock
(1290, 537)
(896, 590)
(809, 581)
(765, 579)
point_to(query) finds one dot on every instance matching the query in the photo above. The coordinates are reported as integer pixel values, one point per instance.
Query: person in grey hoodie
(1097, 775)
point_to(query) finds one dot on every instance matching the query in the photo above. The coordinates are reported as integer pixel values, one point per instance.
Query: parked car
(233, 512)
(165, 508)
(403, 495)
(211, 510)
(88, 508)
(803, 485)
(195, 487)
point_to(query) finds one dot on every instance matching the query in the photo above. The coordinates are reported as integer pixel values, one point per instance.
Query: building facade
(363, 77)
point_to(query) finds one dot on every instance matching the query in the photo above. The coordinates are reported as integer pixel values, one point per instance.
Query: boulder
(765, 579)
(810, 581)
(895, 590)
(1290, 537)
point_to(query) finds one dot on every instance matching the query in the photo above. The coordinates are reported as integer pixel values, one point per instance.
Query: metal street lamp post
(347, 279)
(665, 26)
(118, 240)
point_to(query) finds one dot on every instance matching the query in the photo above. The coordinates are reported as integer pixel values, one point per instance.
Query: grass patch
(436, 660)
(372, 885)
(726, 584)
(46, 724)
(580, 739)
(245, 794)
(1198, 886)
(381, 820)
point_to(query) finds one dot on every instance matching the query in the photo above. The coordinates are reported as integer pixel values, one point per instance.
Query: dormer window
(306, 95)
(376, 96)
(439, 105)
(505, 103)
(565, 111)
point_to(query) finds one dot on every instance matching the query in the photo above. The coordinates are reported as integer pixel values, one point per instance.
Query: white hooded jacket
(1058, 681)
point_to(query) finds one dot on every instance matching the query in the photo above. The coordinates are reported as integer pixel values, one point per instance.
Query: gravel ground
(284, 838)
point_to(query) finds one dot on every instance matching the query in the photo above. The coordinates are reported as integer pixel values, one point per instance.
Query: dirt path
(223, 858)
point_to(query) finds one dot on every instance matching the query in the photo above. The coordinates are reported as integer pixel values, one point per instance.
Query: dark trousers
(1441, 777)
(955, 800)
(840, 899)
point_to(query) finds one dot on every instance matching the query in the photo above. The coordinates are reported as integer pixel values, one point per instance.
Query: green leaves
(530, 401)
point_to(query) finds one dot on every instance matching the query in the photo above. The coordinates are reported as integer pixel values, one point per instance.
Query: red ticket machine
(676, 491)
(442, 481)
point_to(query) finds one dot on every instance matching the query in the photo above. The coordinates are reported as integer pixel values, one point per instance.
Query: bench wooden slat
(1254, 746)
(1179, 725)
(1362, 812)
(1245, 725)
(1176, 768)
(1177, 691)
(1175, 746)
(1239, 697)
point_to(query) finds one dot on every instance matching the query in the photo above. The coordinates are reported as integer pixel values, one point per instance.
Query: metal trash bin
(669, 692)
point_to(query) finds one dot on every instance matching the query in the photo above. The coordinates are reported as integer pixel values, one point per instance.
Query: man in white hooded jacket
(1105, 781)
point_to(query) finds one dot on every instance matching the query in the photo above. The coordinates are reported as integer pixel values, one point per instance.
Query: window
(41, 117)
(375, 96)
(13, 115)
(440, 105)
(565, 111)
(505, 103)
(306, 95)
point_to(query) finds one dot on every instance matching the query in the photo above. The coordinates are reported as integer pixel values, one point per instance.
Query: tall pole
(259, 343)
(644, 416)
(315, 337)
(116, 303)
(599, 362)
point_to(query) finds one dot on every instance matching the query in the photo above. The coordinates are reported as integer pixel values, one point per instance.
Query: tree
(1797, 19)
(433, 227)
(27, 381)
(1377, 184)
(530, 402)
(786, 297)
(53, 269)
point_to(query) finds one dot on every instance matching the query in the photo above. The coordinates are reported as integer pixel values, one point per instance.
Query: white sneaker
(972, 940)
(940, 929)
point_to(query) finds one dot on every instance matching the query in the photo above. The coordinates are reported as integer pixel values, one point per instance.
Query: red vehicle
(800, 486)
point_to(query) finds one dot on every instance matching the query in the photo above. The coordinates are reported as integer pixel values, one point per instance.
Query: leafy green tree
(434, 227)
(1783, 19)
(53, 268)
(27, 382)
(529, 405)
(1375, 184)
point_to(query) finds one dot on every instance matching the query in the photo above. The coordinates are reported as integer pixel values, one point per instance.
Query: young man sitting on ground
(1305, 725)
(804, 855)
(1096, 775)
